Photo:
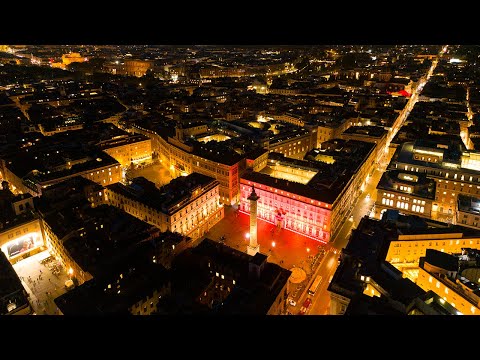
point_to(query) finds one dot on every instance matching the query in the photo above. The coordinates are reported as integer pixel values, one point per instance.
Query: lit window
(438, 284)
(217, 274)
(233, 282)
(446, 290)
(223, 277)
(430, 279)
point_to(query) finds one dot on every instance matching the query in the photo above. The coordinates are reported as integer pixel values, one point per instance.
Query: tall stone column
(253, 247)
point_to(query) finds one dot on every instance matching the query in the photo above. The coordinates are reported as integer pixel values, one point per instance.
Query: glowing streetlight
(273, 243)
(308, 250)
(247, 235)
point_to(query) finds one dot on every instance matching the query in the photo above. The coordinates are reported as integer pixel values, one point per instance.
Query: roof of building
(249, 294)
(132, 282)
(366, 131)
(441, 259)
(177, 191)
(362, 304)
(424, 187)
(11, 288)
(451, 155)
(363, 262)
(431, 304)
(122, 140)
(468, 204)
(329, 181)
(255, 153)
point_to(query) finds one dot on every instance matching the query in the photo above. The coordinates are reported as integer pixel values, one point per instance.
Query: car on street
(306, 305)
(292, 302)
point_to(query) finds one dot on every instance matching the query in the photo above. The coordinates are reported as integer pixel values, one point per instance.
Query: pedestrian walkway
(43, 278)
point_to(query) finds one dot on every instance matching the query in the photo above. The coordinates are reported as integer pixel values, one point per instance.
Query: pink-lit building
(312, 197)
(287, 209)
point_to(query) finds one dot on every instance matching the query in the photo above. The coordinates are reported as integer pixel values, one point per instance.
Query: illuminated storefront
(300, 214)
(22, 241)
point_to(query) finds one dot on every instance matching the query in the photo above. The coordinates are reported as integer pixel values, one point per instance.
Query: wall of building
(182, 162)
(31, 229)
(468, 219)
(405, 202)
(293, 146)
(449, 183)
(409, 248)
(338, 304)
(305, 216)
(104, 175)
(56, 248)
(133, 152)
(149, 304)
(279, 306)
(448, 291)
(193, 218)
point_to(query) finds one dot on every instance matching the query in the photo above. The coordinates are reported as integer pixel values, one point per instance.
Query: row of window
(440, 173)
(280, 197)
(403, 205)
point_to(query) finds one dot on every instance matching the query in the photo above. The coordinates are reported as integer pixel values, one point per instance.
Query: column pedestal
(252, 250)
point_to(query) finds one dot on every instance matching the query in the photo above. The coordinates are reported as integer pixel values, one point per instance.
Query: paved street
(42, 282)
(320, 303)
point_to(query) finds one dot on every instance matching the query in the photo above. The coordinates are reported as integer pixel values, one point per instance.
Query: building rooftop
(418, 183)
(363, 264)
(468, 204)
(179, 191)
(256, 285)
(11, 288)
(98, 235)
(450, 155)
(330, 178)
(122, 140)
(255, 153)
(441, 259)
(367, 131)
(132, 281)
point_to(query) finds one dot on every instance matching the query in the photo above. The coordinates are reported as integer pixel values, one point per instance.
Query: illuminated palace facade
(455, 171)
(286, 209)
(183, 159)
(128, 149)
(311, 197)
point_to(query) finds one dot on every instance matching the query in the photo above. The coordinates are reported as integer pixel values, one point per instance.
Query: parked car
(292, 302)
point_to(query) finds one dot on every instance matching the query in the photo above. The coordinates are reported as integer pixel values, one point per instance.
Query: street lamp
(273, 244)
(247, 236)
(70, 272)
(308, 250)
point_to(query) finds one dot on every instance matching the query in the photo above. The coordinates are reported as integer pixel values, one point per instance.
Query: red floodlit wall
(299, 214)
